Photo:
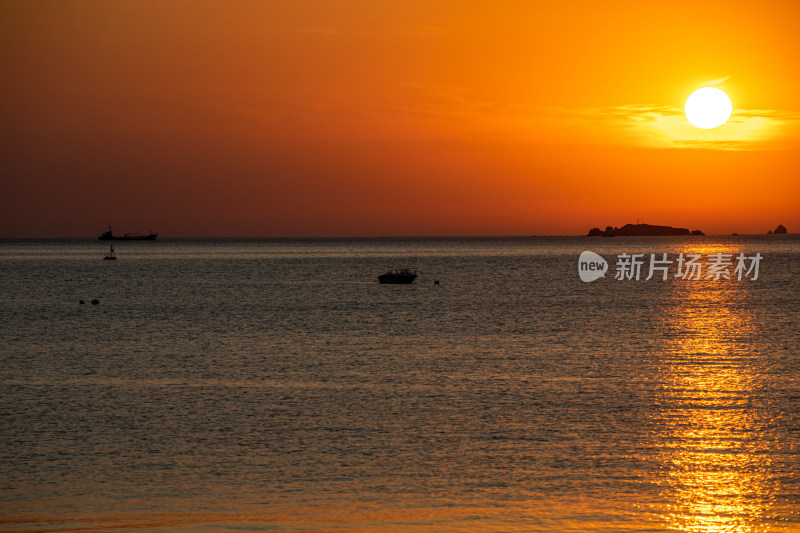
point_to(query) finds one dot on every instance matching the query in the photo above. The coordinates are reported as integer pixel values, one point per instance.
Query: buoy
(436, 282)
(95, 302)
(80, 302)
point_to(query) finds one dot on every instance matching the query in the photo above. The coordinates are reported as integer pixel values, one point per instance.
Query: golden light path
(717, 472)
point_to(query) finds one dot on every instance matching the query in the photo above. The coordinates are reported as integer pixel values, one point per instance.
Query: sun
(708, 108)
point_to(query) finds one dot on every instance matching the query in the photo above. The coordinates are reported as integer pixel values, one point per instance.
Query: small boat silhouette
(401, 275)
(110, 256)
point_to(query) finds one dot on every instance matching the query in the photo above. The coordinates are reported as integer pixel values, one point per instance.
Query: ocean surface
(275, 385)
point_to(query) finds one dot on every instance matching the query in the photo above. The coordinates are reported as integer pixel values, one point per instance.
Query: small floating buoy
(436, 282)
(80, 302)
(95, 302)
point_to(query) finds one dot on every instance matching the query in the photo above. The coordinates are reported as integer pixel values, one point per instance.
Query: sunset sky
(368, 118)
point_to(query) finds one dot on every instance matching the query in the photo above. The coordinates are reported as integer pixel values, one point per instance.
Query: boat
(110, 256)
(109, 236)
(401, 275)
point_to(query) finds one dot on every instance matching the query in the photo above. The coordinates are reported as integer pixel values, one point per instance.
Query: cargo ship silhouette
(109, 236)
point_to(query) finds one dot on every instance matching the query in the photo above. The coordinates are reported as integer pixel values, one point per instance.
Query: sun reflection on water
(714, 423)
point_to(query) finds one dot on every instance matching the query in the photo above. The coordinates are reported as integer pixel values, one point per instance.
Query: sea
(231, 385)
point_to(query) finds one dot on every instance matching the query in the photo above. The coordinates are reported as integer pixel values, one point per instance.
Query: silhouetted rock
(640, 230)
(780, 230)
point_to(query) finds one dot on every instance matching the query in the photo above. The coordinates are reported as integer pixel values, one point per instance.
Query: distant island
(641, 230)
(780, 230)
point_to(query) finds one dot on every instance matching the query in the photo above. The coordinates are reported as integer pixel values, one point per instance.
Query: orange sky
(364, 118)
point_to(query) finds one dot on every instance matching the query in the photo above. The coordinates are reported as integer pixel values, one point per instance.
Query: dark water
(276, 386)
